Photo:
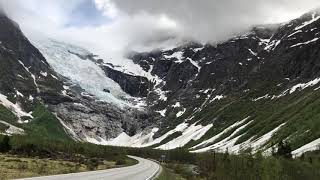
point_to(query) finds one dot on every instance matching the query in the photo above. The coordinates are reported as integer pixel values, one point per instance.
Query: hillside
(247, 93)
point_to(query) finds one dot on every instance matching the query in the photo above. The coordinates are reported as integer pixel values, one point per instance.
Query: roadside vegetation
(13, 166)
(22, 157)
(169, 174)
(245, 166)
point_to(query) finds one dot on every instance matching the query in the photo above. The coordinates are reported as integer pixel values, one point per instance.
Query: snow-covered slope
(66, 60)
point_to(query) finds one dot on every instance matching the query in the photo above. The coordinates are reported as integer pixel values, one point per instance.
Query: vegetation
(19, 167)
(45, 125)
(169, 174)
(26, 157)
(216, 166)
(46, 145)
(225, 166)
(7, 115)
(179, 163)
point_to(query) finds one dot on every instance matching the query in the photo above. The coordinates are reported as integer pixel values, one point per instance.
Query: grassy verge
(12, 166)
(168, 174)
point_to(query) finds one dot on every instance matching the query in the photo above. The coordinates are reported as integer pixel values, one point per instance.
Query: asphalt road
(144, 170)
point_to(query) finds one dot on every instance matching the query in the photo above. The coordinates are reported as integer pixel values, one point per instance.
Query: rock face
(24, 72)
(27, 78)
(91, 119)
(135, 86)
(248, 92)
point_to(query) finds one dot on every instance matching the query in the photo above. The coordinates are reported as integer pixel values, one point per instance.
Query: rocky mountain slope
(247, 93)
(27, 80)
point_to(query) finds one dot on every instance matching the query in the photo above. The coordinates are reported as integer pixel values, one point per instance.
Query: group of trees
(209, 165)
(284, 150)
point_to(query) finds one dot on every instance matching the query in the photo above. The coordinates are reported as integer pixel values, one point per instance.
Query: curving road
(144, 170)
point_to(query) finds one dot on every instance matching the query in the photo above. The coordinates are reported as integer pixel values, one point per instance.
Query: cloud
(214, 20)
(113, 27)
(108, 7)
(122, 33)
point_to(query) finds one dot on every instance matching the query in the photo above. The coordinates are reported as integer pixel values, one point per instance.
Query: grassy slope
(44, 125)
(7, 116)
(300, 111)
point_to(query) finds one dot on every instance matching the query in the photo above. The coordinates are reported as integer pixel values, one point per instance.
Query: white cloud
(141, 24)
(215, 20)
(108, 7)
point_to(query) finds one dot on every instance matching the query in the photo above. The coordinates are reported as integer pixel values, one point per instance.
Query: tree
(5, 144)
(284, 150)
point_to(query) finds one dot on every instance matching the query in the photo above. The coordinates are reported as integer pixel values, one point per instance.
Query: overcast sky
(117, 25)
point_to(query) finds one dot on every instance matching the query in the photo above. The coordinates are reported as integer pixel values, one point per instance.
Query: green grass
(7, 116)
(168, 174)
(3, 127)
(45, 125)
(12, 167)
(300, 111)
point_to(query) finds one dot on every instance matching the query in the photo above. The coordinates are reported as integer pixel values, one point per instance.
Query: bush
(5, 144)
(120, 162)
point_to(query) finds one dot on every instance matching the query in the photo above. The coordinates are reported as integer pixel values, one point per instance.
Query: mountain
(247, 93)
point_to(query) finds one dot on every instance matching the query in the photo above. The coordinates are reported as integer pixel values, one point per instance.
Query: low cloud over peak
(108, 26)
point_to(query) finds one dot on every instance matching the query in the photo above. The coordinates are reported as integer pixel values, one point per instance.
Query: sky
(110, 27)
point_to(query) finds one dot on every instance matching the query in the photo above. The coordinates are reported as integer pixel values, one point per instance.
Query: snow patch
(178, 55)
(162, 112)
(194, 64)
(19, 93)
(12, 129)
(142, 139)
(305, 43)
(312, 146)
(15, 108)
(45, 74)
(193, 132)
(303, 86)
(252, 52)
(176, 105)
(180, 113)
(262, 97)
(314, 19)
(218, 97)
(227, 144)
(212, 139)
(298, 87)
(300, 31)
(32, 75)
(258, 143)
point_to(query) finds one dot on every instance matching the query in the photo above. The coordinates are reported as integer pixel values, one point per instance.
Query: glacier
(85, 73)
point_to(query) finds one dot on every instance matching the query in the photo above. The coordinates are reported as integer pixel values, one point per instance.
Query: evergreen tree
(5, 144)
(284, 150)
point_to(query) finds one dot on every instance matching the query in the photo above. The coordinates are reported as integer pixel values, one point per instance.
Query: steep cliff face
(25, 73)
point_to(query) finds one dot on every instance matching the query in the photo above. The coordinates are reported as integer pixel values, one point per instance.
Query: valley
(243, 108)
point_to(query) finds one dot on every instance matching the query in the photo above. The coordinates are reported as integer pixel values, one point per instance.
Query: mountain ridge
(249, 92)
